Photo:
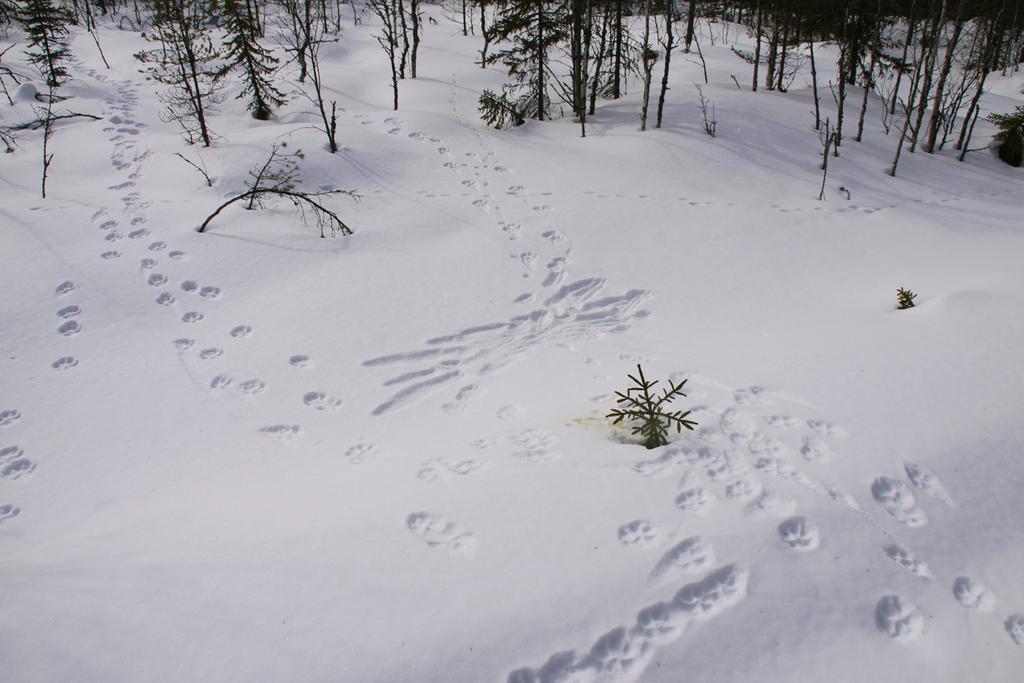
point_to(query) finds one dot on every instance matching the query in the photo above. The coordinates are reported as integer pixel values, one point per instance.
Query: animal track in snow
(211, 353)
(510, 412)
(899, 618)
(1014, 625)
(192, 317)
(64, 363)
(70, 328)
(751, 396)
(300, 361)
(157, 280)
(65, 287)
(534, 445)
(784, 421)
(641, 533)
(973, 594)
(894, 496)
(623, 653)
(113, 236)
(828, 429)
(816, 450)
(69, 312)
(738, 425)
(108, 225)
(438, 532)
(148, 263)
(138, 234)
(908, 561)
(690, 556)
(184, 343)
(745, 487)
(926, 482)
(252, 387)
(157, 246)
(220, 382)
(556, 271)
(109, 255)
(176, 255)
(281, 432)
(8, 511)
(461, 398)
(553, 236)
(321, 401)
(440, 469)
(240, 331)
(165, 299)
(16, 468)
(189, 286)
(209, 292)
(799, 533)
(695, 500)
(572, 313)
(360, 452)
(138, 220)
(10, 453)
(511, 230)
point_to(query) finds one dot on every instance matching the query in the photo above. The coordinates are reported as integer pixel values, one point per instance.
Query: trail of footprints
(186, 298)
(736, 454)
(13, 462)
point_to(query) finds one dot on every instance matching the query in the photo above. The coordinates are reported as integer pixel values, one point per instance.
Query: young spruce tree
(46, 27)
(242, 51)
(532, 28)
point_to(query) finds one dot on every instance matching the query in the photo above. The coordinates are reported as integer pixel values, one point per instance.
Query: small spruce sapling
(644, 409)
(905, 299)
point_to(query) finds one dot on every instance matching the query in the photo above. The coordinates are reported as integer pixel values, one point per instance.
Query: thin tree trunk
(595, 82)
(814, 88)
(648, 64)
(616, 77)
(414, 13)
(541, 58)
(691, 15)
(869, 76)
(668, 44)
(757, 46)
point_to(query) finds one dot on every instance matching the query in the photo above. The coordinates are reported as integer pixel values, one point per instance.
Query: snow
(257, 455)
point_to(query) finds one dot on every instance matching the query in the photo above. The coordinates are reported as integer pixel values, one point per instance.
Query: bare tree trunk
(869, 77)
(947, 64)
(648, 64)
(619, 30)
(691, 15)
(414, 13)
(669, 44)
(541, 60)
(929, 59)
(757, 47)
(814, 88)
(595, 81)
(405, 38)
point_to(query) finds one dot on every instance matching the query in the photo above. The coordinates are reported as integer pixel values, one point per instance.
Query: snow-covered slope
(256, 455)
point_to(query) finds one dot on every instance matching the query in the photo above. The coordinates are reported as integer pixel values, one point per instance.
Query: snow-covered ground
(257, 455)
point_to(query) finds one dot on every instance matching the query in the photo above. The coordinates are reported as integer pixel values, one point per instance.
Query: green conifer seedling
(643, 408)
(905, 299)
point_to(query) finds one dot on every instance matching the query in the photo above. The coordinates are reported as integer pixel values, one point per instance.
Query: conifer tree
(532, 28)
(256, 63)
(46, 27)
